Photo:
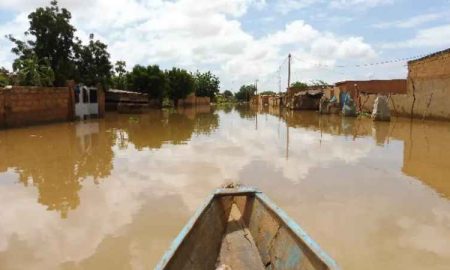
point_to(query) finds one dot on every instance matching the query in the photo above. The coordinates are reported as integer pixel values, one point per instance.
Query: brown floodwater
(113, 193)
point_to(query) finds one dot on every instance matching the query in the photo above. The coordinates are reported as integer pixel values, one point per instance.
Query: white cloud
(200, 34)
(411, 22)
(429, 37)
(359, 4)
(285, 6)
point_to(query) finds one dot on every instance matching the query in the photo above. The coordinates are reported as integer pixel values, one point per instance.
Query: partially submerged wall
(114, 97)
(193, 100)
(202, 101)
(400, 105)
(428, 90)
(429, 83)
(21, 106)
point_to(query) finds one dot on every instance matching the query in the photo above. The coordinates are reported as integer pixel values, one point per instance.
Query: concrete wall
(21, 106)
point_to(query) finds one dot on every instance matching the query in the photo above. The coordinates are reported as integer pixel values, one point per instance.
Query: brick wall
(21, 106)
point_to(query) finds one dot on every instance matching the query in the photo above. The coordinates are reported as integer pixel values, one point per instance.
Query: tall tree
(299, 85)
(151, 80)
(246, 92)
(93, 65)
(119, 79)
(181, 84)
(157, 84)
(206, 85)
(53, 40)
(267, 93)
(227, 94)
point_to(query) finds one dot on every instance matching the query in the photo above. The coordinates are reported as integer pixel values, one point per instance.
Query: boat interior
(243, 231)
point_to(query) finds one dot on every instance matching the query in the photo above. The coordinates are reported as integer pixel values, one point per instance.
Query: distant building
(193, 100)
(365, 92)
(384, 87)
(126, 101)
(304, 98)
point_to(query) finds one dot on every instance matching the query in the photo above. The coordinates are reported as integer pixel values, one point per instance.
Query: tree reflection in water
(56, 159)
(164, 127)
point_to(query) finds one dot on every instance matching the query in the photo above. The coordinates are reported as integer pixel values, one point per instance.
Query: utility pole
(289, 71)
(279, 80)
(256, 86)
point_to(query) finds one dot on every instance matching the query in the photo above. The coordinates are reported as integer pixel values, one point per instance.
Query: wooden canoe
(241, 228)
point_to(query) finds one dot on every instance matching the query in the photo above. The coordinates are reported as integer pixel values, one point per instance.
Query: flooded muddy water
(113, 193)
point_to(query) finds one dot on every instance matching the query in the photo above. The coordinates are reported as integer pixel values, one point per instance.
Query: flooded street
(113, 193)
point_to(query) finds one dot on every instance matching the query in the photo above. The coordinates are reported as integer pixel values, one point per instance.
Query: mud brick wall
(192, 100)
(429, 82)
(2, 109)
(202, 101)
(22, 106)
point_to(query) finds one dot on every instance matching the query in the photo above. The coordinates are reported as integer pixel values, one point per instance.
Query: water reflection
(425, 155)
(56, 160)
(165, 127)
(125, 185)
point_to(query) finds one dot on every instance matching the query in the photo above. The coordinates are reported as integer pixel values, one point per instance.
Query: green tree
(299, 85)
(267, 93)
(157, 86)
(53, 40)
(119, 79)
(5, 77)
(151, 80)
(227, 94)
(31, 71)
(93, 65)
(246, 92)
(181, 84)
(206, 85)
(138, 79)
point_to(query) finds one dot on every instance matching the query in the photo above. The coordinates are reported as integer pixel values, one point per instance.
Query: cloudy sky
(246, 40)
